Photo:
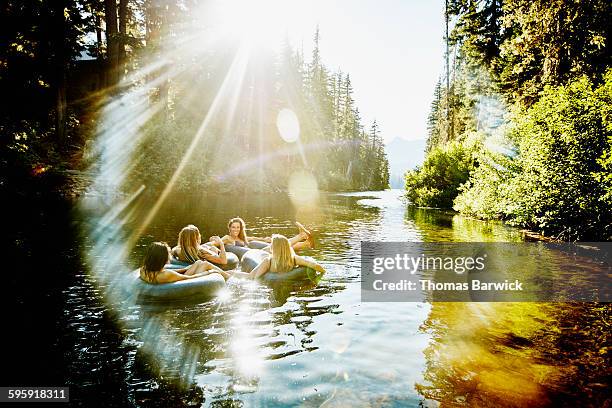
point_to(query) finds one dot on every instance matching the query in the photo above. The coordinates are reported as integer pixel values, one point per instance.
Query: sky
(392, 49)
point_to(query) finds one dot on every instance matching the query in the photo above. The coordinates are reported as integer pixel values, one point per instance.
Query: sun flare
(257, 23)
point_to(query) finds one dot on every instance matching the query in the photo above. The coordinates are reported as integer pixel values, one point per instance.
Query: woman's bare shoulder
(147, 279)
(168, 276)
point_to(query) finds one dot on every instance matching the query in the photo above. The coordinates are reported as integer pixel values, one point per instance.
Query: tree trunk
(447, 55)
(154, 23)
(123, 20)
(112, 44)
(59, 73)
(98, 37)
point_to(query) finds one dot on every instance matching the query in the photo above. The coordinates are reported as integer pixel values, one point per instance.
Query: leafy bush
(437, 182)
(560, 183)
(605, 175)
(482, 196)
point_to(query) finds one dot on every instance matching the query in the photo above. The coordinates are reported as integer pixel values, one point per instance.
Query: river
(313, 346)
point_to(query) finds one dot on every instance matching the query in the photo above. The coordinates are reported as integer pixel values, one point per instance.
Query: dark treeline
(520, 128)
(63, 67)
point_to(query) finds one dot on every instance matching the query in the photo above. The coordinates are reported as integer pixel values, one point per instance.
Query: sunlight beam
(237, 70)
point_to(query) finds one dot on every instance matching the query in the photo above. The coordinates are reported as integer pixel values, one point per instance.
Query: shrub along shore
(502, 145)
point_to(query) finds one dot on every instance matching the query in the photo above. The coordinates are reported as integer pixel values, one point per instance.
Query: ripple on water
(319, 346)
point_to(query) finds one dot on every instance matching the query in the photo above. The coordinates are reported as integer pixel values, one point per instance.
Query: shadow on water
(448, 226)
(59, 331)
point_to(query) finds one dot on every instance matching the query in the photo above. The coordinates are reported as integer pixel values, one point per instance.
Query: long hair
(282, 254)
(189, 240)
(156, 257)
(242, 234)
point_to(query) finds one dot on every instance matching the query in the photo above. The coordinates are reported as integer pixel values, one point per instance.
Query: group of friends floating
(202, 257)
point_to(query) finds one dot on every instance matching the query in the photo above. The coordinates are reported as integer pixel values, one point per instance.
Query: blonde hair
(189, 241)
(282, 254)
(242, 233)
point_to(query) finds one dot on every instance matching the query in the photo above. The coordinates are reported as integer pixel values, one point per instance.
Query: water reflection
(320, 345)
(447, 226)
(515, 354)
(510, 354)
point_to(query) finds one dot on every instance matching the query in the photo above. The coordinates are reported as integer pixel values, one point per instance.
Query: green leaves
(560, 184)
(437, 182)
(528, 45)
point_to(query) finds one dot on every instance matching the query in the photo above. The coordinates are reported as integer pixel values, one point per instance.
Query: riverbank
(547, 169)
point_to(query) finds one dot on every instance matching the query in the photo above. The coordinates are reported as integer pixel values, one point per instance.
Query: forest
(520, 124)
(189, 102)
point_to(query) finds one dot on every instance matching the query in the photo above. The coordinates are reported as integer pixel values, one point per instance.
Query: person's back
(152, 269)
(282, 259)
(282, 256)
(161, 276)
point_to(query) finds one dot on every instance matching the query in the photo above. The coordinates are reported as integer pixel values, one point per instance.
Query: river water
(315, 346)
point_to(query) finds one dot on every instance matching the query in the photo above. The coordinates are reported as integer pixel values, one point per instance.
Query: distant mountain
(403, 155)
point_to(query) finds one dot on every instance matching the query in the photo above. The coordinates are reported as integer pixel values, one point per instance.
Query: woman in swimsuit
(282, 259)
(158, 255)
(190, 249)
(237, 236)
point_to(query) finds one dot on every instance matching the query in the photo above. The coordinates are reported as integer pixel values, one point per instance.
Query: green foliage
(528, 45)
(453, 114)
(56, 96)
(548, 60)
(38, 42)
(437, 182)
(559, 184)
(604, 176)
(482, 196)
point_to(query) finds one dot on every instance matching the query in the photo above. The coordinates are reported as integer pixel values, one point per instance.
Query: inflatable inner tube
(258, 245)
(232, 262)
(241, 250)
(254, 257)
(189, 289)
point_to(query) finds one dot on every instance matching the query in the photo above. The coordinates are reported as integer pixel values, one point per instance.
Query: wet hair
(189, 241)
(242, 233)
(156, 257)
(282, 254)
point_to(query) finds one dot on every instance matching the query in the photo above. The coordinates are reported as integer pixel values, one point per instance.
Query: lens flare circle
(303, 189)
(288, 125)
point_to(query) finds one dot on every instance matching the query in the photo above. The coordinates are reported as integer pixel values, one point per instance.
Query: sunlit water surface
(314, 346)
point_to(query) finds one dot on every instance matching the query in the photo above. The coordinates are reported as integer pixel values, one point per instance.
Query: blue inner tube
(190, 289)
(254, 257)
(258, 245)
(232, 262)
(241, 250)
